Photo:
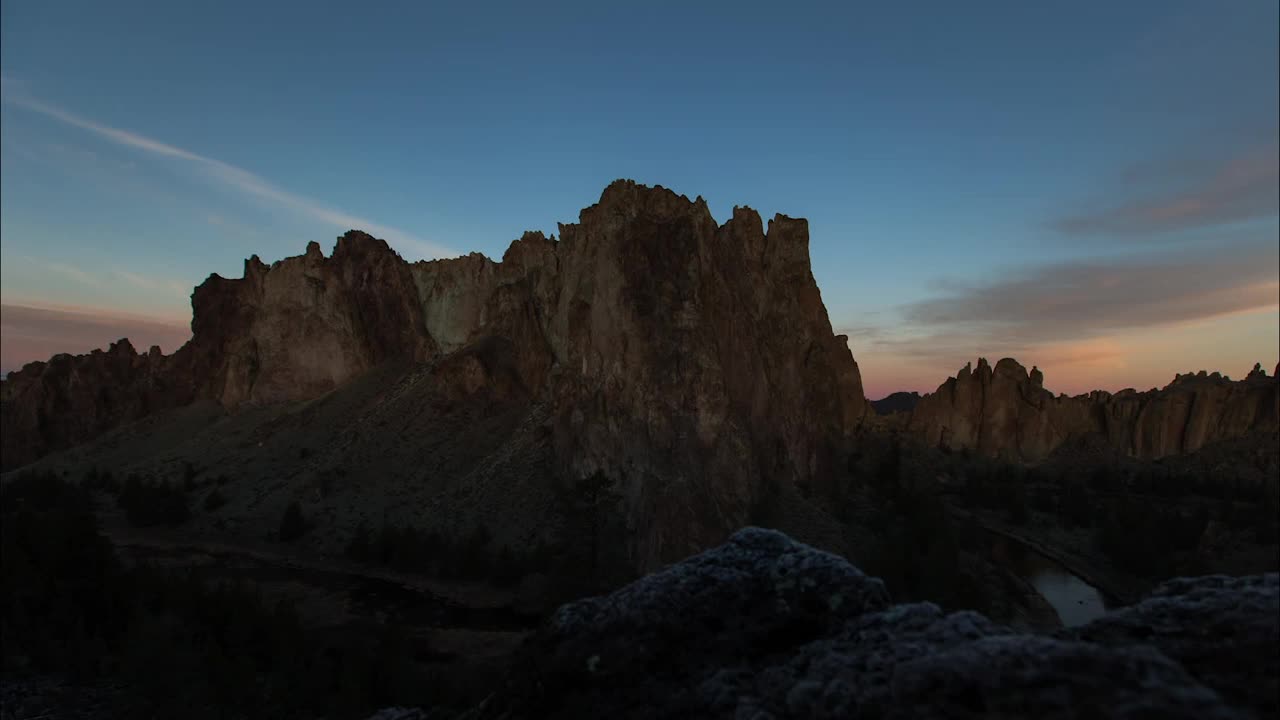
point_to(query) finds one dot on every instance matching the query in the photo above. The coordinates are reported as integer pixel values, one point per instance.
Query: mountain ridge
(1005, 411)
(692, 362)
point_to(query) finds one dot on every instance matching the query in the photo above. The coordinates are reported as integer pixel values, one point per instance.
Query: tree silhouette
(591, 542)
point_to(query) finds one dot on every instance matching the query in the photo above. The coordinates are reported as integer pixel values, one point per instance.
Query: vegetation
(214, 500)
(1147, 540)
(586, 555)
(920, 553)
(178, 646)
(591, 546)
(414, 550)
(1148, 519)
(149, 503)
(292, 524)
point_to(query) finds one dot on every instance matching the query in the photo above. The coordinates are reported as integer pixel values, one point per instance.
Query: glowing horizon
(1091, 189)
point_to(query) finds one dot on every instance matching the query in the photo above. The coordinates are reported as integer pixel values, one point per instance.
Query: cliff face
(690, 361)
(48, 405)
(1006, 411)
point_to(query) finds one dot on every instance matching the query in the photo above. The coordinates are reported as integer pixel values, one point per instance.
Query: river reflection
(1076, 601)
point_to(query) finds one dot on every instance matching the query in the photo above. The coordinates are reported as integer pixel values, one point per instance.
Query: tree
(592, 537)
(293, 525)
(214, 500)
(1016, 509)
(889, 470)
(360, 548)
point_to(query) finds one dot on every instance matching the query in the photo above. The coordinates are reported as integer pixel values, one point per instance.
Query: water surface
(1076, 601)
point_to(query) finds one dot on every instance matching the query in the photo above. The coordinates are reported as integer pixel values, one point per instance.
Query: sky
(1088, 187)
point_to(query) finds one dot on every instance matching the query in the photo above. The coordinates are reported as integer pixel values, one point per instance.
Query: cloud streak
(1242, 187)
(1073, 300)
(236, 178)
(1079, 318)
(108, 277)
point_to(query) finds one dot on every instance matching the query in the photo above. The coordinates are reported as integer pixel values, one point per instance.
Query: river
(1076, 601)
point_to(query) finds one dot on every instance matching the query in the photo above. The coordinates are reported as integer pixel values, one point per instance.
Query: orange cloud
(30, 333)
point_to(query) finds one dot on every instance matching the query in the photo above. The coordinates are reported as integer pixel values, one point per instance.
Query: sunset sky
(1088, 187)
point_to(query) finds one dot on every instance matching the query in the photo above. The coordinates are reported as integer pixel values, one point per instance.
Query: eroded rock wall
(692, 362)
(1006, 412)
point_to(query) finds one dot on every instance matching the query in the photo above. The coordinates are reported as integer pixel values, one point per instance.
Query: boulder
(765, 627)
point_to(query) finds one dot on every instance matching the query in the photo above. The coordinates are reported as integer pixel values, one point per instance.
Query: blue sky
(1074, 185)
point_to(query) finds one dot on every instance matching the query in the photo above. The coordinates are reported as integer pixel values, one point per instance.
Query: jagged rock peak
(694, 362)
(1008, 367)
(1008, 412)
(122, 347)
(358, 243)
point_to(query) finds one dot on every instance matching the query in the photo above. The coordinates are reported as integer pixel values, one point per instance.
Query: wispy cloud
(1073, 316)
(1073, 300)
(234, 177)
(1241, 187)
(108, 277)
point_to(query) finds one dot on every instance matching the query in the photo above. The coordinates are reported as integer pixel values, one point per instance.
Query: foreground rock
(692, 363)
(764, 627)
(1005, 411)
(1217, 627)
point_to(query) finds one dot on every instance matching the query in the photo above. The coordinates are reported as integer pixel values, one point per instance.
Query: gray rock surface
(1224, 630)
(765, 627)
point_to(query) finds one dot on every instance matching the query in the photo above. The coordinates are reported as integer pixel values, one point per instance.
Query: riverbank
(1119, 589)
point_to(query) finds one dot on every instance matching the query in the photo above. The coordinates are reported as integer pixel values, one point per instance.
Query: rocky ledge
(765, 627)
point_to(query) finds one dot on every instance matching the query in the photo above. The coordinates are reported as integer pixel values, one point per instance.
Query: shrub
(507, 571)
(188, 476)
(147, 503)
(1016, 509)
(71, 609)
(292, 524)
(360, 548)
(214, 500)
(1074, 506)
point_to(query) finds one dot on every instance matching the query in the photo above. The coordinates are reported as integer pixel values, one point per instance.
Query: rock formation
(766, 627)
(1006, 411)
(896, 402)
(691, 362)
(50, 405)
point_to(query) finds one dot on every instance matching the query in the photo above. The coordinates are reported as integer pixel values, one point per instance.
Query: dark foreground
(760, 627)
(765, 627)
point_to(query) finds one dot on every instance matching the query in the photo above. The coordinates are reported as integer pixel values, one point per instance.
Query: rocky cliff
(1005, 411)
(51, 405)
(692, 362)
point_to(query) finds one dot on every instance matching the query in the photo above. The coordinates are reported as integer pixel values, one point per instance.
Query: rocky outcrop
(50, 405)
(896, 403)
(692, 362)
(766, 627)
(1207, 625)
(1005, 411)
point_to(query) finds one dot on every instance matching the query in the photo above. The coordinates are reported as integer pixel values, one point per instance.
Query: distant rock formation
(896, 402)
(50, 405)
(692, 362)
(1006, 412)
(766, 627)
